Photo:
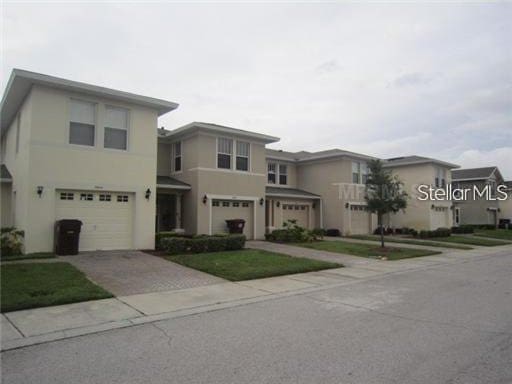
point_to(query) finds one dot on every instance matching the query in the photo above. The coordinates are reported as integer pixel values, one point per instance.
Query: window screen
(82, 123)
(224, 153)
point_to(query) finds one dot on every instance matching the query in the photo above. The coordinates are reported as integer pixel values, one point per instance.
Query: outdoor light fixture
(433, 206)
(313, 205)
(347, 205)
(205, 199)
(278, 204)
(148, 193)
(40, 190)
(262, 200)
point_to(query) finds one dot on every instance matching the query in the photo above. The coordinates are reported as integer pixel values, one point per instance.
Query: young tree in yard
(384, 193)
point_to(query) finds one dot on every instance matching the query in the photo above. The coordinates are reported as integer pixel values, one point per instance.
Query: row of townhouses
(79, 151)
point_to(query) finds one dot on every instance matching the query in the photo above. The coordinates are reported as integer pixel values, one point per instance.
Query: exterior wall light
(205, 199)
(278, 204)
(262, 200)
(313, 205)
(40, 189)
(148, 193)
(347, 205)
(433, 206)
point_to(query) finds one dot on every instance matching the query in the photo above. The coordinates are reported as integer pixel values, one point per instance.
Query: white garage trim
(210, 198)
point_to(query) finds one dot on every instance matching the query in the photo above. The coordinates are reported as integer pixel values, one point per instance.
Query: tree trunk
(379, 219)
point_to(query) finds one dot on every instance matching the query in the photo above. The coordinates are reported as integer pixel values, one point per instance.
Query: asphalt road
(451, 324)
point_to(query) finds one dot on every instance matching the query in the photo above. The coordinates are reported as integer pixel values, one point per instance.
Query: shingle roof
(508, 183)
(171, 182)
(294, 192)
(411, 160)
(4, 173)
(473, 173)
(309, 156)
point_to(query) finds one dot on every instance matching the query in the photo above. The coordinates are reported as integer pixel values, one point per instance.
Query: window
(271, 178)
(67, 196)
(82, 123)
(215, 203)
(105, 197)
(224, 153)
(177, 156)
(225, 203)
(242, 156)
(236, 205)
(440, 180)
(116, 128)
(18, 122)
(283, 174)
(364, 173)
(356, 170)
(245, 205)
(122, 198)
(86, 196)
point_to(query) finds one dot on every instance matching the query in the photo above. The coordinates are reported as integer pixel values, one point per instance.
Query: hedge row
(439, 232)
(179, 245)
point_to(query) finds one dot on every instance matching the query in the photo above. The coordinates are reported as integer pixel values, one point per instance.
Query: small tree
(384, 193)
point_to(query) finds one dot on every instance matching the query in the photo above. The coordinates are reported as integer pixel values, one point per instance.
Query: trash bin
(236, 225)
(67, 236)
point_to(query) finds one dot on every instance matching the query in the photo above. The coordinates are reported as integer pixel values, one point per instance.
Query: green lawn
(38, 255)
(387, 239)
(33, 285)
(472, 240)
(249, 264)
(502, 234)
(367, 250)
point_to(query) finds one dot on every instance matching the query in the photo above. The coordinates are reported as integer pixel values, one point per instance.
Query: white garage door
(360, 220)
(297, 212)
(223, 210)
(107, 217)
(439, 217)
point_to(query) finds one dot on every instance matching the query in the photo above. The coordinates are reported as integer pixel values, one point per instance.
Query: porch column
(178, 212)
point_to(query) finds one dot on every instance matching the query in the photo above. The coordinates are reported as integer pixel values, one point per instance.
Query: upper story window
(242, 155)
(82, 123)
(18, 123)
(283, 174)
(359, 172)
(440, 178)
(224, 153)
(116, 128)
(271, 173)
(176, 150)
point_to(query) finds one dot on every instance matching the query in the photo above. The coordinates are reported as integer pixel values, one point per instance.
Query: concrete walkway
(40, 325)
(134, 272)
(291, 250)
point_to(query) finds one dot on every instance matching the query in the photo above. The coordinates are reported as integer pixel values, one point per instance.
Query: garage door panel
(227, 210)
(299, 212)
(360, 220)
(106, 224)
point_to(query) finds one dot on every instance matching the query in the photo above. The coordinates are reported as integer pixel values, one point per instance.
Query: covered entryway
(360, 220)
(107, 217)
(169, 204)
(223, 210)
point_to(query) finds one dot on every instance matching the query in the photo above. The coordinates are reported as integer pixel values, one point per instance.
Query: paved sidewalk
(134, 272)
(426, 246)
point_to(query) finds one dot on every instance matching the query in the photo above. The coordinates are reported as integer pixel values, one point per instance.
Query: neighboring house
(71, 150)
(414, 171)
(506, 206)
(477, 210)
(74, 150)
(318, 189)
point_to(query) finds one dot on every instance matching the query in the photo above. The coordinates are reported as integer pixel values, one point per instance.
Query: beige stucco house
(78, 151)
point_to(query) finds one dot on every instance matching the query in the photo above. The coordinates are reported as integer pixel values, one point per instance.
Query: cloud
(410, 79)
(328, 67)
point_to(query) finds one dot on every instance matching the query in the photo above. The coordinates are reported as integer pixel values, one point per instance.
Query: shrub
(463, 229)
(201, 243)
(319, 232)
(333, 232)
(162, 235)
(291, 233)
(11, 241)
(439, 232)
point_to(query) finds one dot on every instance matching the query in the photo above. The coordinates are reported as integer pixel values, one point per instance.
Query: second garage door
(107, 217)
(360, 220)
(298, 212)
(223, 210)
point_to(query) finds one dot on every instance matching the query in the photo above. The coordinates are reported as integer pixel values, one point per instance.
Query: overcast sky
(384, 80)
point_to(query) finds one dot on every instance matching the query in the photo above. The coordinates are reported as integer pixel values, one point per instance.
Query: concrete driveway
(133, 272)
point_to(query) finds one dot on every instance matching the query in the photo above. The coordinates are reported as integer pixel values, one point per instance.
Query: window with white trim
(225, 203)
(67, 196)
(86, 197)
(116, 128)
(356, 171)
(105, 197)
(245, 204)
(176, 150)
(224, 153)
(82, 123)
(236, 204)
(364, 173)
(215, 203)
(271, 173)
(122, 198)
(283, 174)
(242, 155)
